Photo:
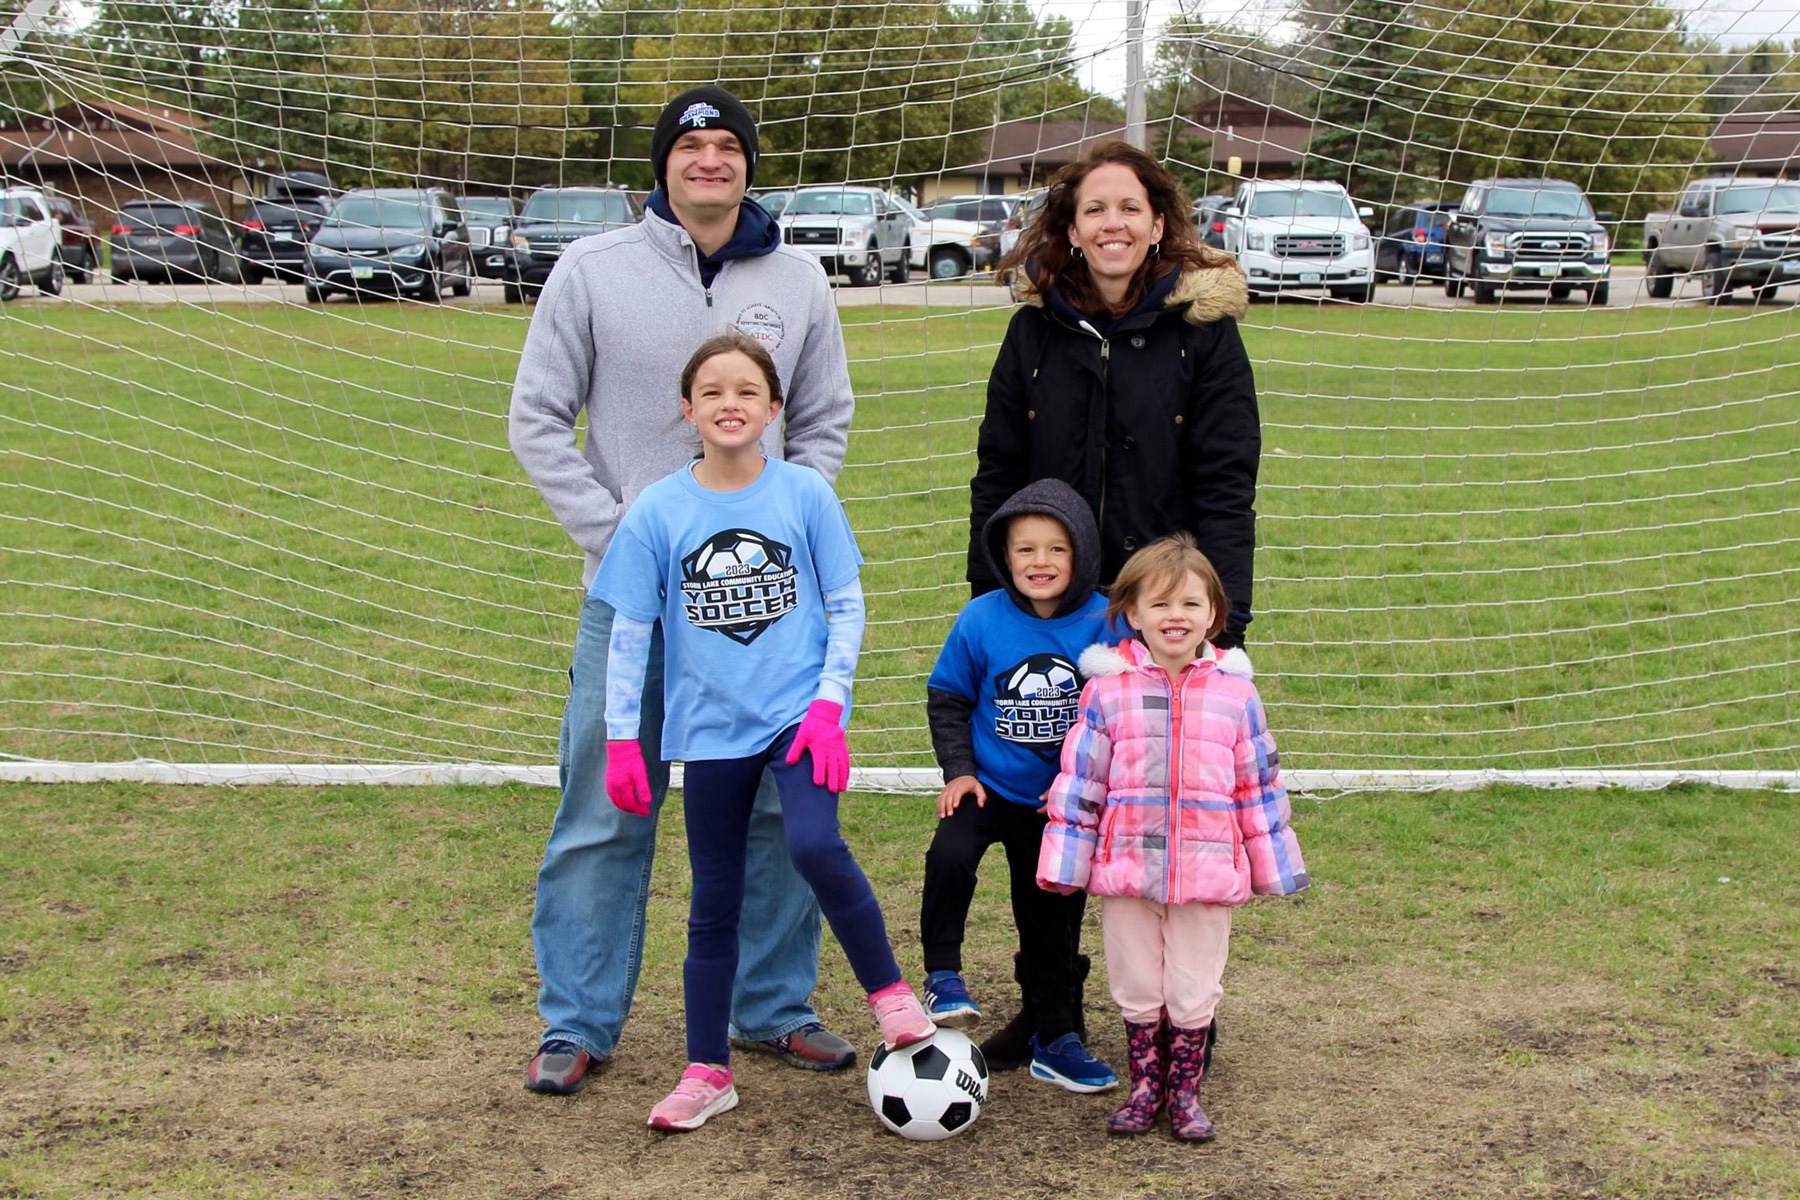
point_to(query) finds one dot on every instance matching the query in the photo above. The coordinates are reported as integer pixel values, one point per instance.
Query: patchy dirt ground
(1363, 1086)
(244, 996)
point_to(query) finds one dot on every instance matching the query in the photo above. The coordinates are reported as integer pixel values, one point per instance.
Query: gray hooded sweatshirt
(617, 320)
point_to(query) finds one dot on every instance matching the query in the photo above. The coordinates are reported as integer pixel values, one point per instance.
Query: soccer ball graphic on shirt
(738, 583)
(1041, 677)
(929, 1091)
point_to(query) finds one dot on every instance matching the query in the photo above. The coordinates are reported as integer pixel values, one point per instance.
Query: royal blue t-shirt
(1020, 671)
(738, 581)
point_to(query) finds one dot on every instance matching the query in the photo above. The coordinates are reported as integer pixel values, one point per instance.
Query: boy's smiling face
(1041, 557)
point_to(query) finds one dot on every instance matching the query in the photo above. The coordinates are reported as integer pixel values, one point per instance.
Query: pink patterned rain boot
(1187, 1066)
(1148, 1060)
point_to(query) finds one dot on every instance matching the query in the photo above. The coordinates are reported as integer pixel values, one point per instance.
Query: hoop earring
(1077, 251)
(1156, 247)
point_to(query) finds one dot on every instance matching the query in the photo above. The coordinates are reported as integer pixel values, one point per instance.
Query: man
(617, 320)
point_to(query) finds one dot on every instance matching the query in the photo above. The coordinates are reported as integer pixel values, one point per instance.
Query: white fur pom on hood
(1237, 662)
(1102, 659)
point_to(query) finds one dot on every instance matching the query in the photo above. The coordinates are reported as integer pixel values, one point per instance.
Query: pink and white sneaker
(702, 1093)
(902, 1018)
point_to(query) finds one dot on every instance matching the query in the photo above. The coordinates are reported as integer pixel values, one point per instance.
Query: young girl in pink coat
(1169, 806)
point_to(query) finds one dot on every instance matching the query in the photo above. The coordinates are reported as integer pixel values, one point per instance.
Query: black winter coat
(1155, 425)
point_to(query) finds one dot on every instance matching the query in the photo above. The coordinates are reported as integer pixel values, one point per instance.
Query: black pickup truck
(1527, 233)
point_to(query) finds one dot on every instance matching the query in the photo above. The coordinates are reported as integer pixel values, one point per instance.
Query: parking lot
(1627, 292)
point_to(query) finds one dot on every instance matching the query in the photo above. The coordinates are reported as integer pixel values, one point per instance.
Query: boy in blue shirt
(1001, 697)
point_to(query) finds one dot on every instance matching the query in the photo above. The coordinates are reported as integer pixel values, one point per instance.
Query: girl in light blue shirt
(751, 568)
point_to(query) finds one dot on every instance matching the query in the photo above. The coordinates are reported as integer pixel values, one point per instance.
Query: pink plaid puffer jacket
(1120, 825)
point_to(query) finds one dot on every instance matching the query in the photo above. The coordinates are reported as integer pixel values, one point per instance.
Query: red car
(80, 240)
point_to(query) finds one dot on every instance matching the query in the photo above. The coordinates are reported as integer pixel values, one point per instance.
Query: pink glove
(627, 782)
(821, 733)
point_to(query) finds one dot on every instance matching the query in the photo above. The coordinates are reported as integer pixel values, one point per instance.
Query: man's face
(706, 170)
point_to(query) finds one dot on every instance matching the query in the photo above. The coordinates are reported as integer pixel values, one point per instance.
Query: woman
(1123, 375)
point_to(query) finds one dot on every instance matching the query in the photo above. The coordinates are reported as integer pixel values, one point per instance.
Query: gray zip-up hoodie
(617, 320)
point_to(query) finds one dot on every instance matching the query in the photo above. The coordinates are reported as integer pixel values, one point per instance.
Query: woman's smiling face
(1114, 228)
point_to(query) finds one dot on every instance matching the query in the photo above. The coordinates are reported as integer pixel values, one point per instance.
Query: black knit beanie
(706, 107)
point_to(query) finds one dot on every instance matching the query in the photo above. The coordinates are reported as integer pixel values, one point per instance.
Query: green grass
(328, 992)
(1523, 537)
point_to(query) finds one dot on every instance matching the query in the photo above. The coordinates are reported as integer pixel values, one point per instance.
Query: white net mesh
(1542, 534)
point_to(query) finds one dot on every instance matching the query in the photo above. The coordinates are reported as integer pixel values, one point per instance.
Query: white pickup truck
(1728, 232)
(1290, 234)
(30, 244)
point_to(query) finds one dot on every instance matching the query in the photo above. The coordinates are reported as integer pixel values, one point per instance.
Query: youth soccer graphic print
(739, 583)
(1037, 699)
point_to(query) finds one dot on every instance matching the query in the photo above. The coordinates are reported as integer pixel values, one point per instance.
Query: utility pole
(1134, 74)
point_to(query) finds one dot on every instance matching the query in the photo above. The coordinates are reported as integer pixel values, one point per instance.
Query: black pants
(1049, 924)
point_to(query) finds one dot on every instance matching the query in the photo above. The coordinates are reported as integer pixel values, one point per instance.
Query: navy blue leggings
(718, 794)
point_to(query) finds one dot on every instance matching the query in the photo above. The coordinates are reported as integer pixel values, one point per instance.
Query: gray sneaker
(811, 1048)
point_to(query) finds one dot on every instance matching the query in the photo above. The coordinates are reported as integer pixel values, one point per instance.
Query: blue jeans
(588, 926)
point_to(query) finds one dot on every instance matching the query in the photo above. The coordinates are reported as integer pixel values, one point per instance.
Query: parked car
(552, 218)
(490, 220)
(272, 240)
(80, 239)
(858, 232)
(30, 244)
(773, 202)
(1031, 204)
(1527, 233)
(173, 239)
(946, 247)
(1209, 218)
(1290, 234)
(1412, 242)
(991, 212)
(1728, 232)
(392, 241)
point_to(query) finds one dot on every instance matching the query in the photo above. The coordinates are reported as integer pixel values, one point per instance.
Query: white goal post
(1542, 535)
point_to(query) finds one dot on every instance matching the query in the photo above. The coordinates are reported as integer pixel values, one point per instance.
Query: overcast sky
(1100, 24)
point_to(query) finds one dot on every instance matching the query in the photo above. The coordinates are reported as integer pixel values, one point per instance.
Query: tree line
(1406, 99)
(518, 92)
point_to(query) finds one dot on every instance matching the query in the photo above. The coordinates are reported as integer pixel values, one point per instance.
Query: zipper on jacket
(1105, 409)
(1173, 838)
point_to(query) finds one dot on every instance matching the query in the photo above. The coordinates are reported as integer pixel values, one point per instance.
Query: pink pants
(1165, 957)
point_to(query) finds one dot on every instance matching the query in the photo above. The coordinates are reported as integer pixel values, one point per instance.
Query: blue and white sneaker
(1067, 1063)
(948, 1001)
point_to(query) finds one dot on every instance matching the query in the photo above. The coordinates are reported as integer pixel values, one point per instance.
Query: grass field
(1535, 537)
(329, 993)
(1520, 538)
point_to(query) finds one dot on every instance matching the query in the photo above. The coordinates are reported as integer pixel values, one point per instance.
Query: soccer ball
(929, 1091)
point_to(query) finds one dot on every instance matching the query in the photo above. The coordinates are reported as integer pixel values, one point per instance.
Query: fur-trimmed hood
(1130, 655)
(1208, 293)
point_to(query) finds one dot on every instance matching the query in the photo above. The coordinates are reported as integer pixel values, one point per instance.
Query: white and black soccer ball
(929, 1091)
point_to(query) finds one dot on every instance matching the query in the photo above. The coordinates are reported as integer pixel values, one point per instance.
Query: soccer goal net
(1542, 517)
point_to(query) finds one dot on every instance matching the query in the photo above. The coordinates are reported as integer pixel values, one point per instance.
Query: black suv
(1527, 233)
(273, 238)
(490, 221)
(392, 241)
(553, 218)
